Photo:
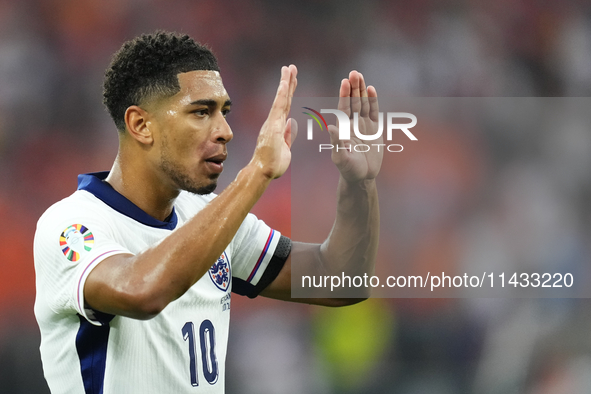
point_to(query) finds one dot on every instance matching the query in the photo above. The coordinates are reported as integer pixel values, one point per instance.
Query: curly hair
(147, 67)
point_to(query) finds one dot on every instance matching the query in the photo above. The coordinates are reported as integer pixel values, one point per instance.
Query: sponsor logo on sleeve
(75, 241)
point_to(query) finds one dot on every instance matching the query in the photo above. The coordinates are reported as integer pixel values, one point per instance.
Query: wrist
(258, 167)
(254, 174)
(363, 184)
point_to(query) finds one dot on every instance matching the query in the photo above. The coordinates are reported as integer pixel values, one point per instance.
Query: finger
(344, 97)
(355, 83)
(290, 82)
(363, 93)
(362, 89)
(354, 79)
(293, 83)
(279, 106)
(374, 109)
(294, 78)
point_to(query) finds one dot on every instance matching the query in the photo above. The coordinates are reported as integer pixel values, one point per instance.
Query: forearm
(140, 286)
(350, 248)
(353, 241)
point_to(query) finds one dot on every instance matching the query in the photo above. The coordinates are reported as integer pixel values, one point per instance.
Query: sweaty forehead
(201, 84)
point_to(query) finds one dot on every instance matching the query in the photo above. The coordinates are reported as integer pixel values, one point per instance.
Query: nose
(222, 132)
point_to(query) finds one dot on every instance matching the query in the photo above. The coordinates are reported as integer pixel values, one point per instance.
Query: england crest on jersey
(220, 273)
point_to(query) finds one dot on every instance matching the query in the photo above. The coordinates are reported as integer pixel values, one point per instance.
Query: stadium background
(528, 195)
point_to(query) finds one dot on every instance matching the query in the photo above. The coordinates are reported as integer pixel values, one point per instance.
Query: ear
(137, 122)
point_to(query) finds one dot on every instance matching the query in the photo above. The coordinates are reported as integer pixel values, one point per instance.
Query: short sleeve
(254, 260)
(67, 247)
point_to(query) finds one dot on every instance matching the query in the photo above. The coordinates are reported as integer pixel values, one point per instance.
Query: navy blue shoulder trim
(94, 183)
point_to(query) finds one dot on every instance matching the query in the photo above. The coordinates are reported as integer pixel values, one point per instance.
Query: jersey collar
(94, 183)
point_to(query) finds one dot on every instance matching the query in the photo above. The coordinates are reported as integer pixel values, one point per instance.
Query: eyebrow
(211, 103)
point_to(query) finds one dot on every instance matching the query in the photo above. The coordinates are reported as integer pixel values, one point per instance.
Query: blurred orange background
(515, 198)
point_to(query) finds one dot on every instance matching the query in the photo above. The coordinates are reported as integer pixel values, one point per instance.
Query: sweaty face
(192, 132)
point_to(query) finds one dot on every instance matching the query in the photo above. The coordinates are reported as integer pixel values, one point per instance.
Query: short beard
(182, 180)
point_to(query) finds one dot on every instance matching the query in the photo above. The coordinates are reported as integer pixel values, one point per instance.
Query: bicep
(280, 288)
(116, 286)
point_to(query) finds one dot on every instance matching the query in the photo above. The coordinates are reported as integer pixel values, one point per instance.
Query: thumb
(333, 132)
(291, 131)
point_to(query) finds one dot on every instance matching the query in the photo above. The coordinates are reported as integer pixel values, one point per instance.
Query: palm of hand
(358, 159)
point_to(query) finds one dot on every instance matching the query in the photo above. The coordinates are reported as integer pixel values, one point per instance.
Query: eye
(201, 112)
(225, 112)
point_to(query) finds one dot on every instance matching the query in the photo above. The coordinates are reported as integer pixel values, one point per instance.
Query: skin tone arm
(140, 286)
(352, 244)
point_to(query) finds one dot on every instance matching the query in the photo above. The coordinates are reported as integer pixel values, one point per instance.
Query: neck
(142, 187)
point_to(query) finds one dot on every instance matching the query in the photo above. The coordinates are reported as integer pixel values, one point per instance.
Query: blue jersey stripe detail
(91, 345)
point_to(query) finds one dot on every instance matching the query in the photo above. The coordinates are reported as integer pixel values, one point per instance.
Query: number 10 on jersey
(208, 359)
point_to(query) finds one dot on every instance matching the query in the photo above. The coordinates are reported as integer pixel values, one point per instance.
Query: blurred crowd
(496, 199)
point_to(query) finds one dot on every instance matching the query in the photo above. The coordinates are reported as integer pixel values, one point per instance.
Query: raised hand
(356, 166)
(273, 151)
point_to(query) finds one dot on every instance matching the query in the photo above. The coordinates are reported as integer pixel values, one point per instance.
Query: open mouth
(216, 163)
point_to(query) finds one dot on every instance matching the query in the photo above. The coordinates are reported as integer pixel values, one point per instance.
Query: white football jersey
(183, 349)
